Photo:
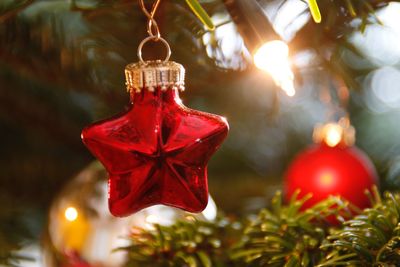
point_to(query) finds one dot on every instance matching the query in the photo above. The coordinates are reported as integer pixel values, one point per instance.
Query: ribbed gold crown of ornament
(154, 74)
(163, 74)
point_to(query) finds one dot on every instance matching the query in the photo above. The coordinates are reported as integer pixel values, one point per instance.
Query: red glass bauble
(156, 152)
(323, 170)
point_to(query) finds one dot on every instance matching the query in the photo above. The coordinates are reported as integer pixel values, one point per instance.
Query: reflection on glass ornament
(82, 232)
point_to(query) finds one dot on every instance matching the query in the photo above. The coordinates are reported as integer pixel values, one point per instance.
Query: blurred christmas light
(273, 57)
(381, 83)
(71, 214)
(269, 52)
(379, 43)
(334, 134)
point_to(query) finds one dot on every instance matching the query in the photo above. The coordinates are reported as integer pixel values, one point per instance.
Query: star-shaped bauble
(156, 152)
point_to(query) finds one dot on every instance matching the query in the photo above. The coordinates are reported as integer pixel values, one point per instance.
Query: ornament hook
(153, 38)
(152, 25)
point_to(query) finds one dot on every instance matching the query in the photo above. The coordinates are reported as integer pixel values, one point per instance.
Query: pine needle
(314, 10)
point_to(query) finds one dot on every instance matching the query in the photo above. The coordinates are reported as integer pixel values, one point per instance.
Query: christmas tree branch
(369, 239)
(282, 235)
(186, 243)
(286, 235)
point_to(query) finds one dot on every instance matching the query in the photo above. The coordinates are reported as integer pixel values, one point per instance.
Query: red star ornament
(157, 151)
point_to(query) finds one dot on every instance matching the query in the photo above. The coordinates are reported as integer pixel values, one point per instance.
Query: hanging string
(152, 29)
(152, 23)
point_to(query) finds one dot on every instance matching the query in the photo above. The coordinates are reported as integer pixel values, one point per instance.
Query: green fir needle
(314, 9)
(201, 14)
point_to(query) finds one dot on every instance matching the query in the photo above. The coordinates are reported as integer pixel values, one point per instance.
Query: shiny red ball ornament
(327, 169)
(156, 152)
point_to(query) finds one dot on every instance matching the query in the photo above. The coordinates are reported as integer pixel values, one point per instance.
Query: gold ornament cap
(154, 74)
(335, 133)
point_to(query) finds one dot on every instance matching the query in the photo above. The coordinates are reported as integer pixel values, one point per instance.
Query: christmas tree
(283, 73)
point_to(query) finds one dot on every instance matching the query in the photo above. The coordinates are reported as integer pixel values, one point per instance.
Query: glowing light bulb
(333, 134)
(273, 57)
(71, 214)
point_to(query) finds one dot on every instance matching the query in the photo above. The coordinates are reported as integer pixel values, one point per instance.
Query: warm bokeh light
(273, 57)
(152, 219)
(333, 135)
(71, 214)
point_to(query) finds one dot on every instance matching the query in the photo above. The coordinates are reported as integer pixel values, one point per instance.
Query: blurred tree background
(61, 68)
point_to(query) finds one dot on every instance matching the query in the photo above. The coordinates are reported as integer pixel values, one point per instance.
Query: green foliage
(282, 235)
(286, 236)
(369, 239)
(186, 243)
(314, 10)
(200, 13)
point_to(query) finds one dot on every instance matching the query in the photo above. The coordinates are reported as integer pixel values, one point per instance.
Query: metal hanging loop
(153, 38)
(153, 30)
